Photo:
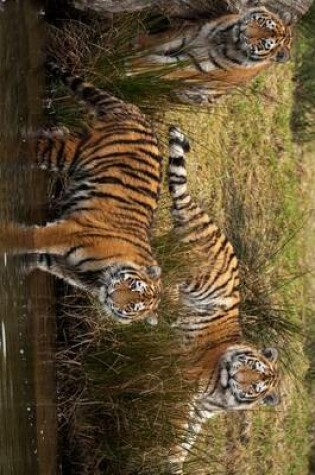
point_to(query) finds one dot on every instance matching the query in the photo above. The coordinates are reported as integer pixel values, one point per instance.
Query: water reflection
(27, 405)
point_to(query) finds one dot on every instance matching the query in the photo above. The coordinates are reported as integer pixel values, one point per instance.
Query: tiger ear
(272, 399)
(286, 17)
(253, 3)
(270, 353)
(152, 319)
(154, 272)
(283, 55)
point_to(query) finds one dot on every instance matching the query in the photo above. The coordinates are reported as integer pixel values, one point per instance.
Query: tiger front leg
(54, 238)
(54, 265)
(45, 262)
(158, 42)
(16, 239)
(187, 434)
(179, 452)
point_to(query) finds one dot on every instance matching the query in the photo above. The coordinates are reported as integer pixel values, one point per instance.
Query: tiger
(101, 241)
(206, 59)
(230, 373)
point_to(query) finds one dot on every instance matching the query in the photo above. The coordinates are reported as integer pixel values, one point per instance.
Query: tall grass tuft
(269, 315)
(120, 391)
(100, 52)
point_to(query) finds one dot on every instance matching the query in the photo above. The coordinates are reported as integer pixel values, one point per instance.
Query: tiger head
(264, 36)
(132, 293)
(246, 377)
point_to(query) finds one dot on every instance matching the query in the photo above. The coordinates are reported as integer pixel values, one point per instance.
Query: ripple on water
(3, 341)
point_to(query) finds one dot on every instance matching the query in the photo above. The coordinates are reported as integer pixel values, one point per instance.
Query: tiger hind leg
(55, 148)
(105, 105)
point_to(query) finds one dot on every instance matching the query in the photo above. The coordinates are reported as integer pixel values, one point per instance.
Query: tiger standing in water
(214, 56)
(101, 242)
(230, 373)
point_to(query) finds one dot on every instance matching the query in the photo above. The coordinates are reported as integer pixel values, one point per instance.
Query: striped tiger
(230, 373)
(101, 241)
(214, 56)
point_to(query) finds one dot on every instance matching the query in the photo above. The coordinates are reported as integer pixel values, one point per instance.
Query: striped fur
(101, 242)
(212, 57)
(230, 373)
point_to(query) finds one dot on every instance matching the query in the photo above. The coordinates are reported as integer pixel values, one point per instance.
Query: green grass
(119, 386)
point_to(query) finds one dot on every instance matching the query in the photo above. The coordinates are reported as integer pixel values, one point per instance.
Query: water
(27, 321)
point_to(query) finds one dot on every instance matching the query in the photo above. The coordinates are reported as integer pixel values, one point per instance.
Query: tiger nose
(256, 33)
(120, 298)
(243, 376)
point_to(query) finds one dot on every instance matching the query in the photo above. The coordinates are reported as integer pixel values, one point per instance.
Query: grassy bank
(303, 120)
(118, 386)
(246, 171)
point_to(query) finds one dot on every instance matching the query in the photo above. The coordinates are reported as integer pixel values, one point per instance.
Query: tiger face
(262, 35)
(247, 377)
(133, 294)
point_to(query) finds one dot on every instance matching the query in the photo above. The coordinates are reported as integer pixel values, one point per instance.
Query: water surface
(27, 321)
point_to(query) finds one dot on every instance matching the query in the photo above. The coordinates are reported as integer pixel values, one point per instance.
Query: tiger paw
(26, 263)
(175, 467)
(55, 132)
(50, 132)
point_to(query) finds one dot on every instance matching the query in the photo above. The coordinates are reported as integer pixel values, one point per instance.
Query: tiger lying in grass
(214, 56)
(231, 374)
(101, 242)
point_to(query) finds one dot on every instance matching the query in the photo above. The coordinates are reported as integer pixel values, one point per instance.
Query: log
(113, 6)
(194, 9)
(203, 8)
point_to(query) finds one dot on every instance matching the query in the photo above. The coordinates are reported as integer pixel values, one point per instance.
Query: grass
(119, 386)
